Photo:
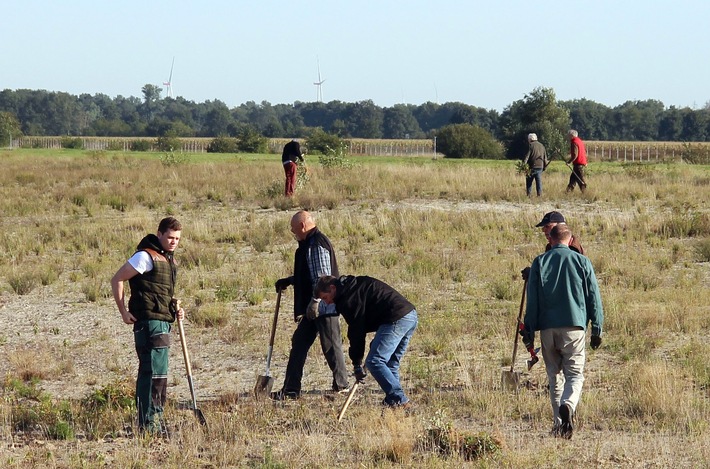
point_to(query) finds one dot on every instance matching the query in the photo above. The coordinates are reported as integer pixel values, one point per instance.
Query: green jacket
(152, 291)
(563, 292)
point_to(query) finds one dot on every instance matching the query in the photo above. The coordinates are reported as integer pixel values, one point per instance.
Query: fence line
(596, 151)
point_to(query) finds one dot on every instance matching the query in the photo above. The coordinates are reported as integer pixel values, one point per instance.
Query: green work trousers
(152, 338)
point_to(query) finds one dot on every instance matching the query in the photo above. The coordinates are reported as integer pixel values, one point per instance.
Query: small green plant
(522, 168)
(171, 158)
(168, 143)
(22, 283)
(335, 157)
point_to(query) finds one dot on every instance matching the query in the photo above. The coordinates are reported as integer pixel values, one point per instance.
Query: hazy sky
(486, 54)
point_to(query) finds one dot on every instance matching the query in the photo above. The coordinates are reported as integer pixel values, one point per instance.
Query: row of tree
(39, 113)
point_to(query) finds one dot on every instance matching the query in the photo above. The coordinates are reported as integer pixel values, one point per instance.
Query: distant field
(452, 236)
(696, 152)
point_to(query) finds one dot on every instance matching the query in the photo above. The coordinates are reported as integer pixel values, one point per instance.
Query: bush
(468, 141)
(251, 141)
(72, 142)
(222, 144)
(140, 145)
(320, 142)
(168, 142)
(115, 145)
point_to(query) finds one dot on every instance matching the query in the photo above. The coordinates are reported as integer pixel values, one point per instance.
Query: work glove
(312, 309)
(360, 373)
(525, 273)
(595, 342)
(528, 337)
(283, 283)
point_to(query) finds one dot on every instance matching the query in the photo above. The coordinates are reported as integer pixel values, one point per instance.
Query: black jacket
(292, 152)
(303, 279)
(367, 303)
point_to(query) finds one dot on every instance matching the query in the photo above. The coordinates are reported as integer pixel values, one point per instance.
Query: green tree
(399, 122)
(468, 141)
(538, 112)
(9, 128)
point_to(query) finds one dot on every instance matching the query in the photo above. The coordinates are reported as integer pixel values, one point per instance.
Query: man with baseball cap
(549, 221)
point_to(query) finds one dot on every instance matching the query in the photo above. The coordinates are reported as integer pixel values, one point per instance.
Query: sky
(483, 53)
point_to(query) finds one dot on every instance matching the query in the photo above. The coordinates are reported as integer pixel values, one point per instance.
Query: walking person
(536, 159)
(314, 257)
(290, 157)
(151, 274)
(563, 297)
(370, 305)
(578, 160)
(549, 221)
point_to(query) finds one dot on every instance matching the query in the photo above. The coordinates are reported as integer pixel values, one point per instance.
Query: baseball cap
(552, 217)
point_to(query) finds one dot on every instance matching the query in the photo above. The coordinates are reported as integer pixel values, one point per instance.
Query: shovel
(581, 183)
(347, 402)
(509, 378)
(198, 413)
(265, 382)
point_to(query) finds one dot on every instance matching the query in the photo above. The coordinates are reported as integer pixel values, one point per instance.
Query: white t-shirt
(141, 261)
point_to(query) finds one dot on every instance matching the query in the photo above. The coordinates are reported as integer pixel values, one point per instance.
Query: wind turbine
(168, 84)
(319, 91)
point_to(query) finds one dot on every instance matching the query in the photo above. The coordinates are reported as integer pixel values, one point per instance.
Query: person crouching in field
(151, 274)
(563, 296)
(370, 305)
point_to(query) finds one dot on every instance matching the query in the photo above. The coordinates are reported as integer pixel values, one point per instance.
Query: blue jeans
(537, 176)
(386, 351)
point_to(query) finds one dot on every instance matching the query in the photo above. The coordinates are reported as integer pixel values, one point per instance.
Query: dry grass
(451, 235)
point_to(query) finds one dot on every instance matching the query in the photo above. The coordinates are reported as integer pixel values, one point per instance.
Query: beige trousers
(564, 355)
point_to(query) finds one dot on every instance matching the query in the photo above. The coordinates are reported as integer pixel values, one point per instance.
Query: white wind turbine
(169, 84)
(319, 83)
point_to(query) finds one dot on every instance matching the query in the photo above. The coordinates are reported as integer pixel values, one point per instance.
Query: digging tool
(198, 413)
(265, 382)
(581, 183)
(510, 378)
(347, 402)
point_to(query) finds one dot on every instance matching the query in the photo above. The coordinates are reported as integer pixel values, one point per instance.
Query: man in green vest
(151, 274)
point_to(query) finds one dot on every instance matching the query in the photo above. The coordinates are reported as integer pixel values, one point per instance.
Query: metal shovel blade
(200, 417)
(510, 379)
(263, 386)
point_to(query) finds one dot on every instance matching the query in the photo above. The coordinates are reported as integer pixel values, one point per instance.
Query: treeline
(44, 113)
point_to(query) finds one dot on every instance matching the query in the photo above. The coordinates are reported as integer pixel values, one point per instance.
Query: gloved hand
(525, 273)
(283, 283)
(595, 342)
(312, 309)
(360, 373)
(528, 337)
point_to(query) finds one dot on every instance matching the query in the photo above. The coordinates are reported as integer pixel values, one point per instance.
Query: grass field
(452, 236)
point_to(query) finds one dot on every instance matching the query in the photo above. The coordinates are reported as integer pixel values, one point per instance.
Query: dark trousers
(290, 170)
(328, 328)
(152, 338)
(577, 177)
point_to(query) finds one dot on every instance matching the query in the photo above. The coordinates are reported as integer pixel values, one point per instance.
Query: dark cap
(552, 217)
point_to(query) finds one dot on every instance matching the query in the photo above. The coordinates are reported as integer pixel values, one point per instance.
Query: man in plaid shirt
(314, 258)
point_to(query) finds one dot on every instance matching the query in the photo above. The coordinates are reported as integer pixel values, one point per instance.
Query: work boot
(567, 427)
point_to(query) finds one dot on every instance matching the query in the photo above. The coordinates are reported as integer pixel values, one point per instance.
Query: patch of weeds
(210, 315)
(702, 250)
(442, 437)
(502, 290)
(22, 283)
(255, 297)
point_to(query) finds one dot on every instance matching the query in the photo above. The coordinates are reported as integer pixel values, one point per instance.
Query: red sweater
(581, 152)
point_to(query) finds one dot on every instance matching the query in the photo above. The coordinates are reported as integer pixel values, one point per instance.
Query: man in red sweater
(578, 160)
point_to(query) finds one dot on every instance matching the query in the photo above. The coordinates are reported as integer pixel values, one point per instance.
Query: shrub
(170, 158)
(251, 141)
(222, 144)
(334, 157)
(168, 142)
(140, 145)
(72, 142)
(468, 141)
(320, 142)
(115, 145)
